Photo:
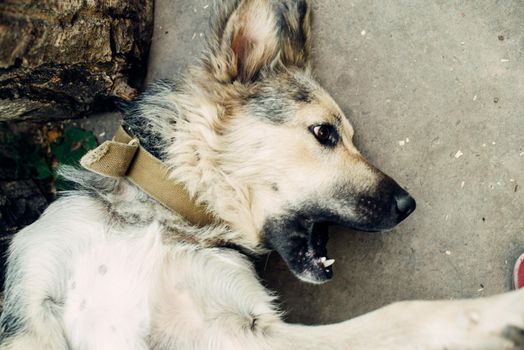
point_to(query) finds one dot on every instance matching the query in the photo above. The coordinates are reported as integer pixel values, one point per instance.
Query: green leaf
(43, 170)
(73, 145)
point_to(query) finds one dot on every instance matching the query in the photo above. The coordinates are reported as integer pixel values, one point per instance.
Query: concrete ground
(435, 91)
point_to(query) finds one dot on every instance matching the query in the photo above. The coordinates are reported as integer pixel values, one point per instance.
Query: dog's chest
(108, 291)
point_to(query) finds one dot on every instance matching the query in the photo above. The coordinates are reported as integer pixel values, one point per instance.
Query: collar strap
(124, 157)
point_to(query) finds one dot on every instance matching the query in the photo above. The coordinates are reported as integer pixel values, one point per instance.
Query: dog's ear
(295, 32)
(244, 39)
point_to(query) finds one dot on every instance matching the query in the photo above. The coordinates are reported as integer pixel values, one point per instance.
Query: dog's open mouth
(321, 265)
(302, 244)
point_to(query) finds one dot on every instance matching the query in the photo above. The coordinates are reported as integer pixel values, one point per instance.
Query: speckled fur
(107, 267)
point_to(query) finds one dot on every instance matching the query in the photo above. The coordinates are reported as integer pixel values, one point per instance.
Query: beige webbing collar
(124, 157)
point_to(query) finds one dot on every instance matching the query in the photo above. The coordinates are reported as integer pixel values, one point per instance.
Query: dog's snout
(405, 204)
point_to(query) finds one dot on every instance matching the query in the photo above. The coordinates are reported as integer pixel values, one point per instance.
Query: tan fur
(109, 268)
(292, 149)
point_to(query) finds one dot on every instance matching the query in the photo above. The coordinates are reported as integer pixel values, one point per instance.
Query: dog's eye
(326, 134)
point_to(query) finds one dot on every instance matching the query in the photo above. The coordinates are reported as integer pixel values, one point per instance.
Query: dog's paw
(495, 323)
(514, 335)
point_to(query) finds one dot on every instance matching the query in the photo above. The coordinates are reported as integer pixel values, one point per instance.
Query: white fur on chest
(105, 273)
(107, 295)
(120, 287)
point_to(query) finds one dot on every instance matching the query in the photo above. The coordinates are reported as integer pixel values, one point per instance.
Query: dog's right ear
(244, 40)
(295, 32)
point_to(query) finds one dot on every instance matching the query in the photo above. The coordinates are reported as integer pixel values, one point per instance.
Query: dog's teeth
(323, 259)
(329, 262)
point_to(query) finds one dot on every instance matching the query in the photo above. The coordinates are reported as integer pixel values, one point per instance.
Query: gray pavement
(435, 91)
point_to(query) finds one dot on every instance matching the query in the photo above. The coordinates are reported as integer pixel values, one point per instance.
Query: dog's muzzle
(300, 235)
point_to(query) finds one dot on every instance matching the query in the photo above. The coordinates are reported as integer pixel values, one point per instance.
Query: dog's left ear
(251, 35)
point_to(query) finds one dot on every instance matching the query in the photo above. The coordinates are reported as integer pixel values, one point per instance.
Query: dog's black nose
(405, 204)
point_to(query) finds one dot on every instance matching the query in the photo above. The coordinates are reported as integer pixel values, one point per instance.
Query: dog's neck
(125, 157)
(179, 126)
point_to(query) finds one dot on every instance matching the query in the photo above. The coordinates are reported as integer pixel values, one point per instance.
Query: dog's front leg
(211, 299)
(494, 323)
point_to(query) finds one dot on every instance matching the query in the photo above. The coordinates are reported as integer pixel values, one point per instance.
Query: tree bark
(21, 203)
(65, 58)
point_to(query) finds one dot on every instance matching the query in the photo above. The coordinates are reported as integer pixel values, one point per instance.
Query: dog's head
(283, 143)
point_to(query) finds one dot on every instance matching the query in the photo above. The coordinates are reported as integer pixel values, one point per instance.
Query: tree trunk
(65, 58)
(21, 203)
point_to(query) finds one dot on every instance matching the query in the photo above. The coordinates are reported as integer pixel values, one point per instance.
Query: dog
(247, 154)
